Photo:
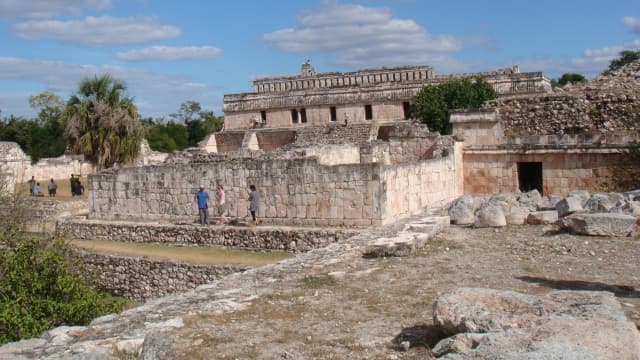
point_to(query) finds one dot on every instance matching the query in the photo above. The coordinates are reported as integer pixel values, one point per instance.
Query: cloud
(168, 53)
(98, 31)
(632, 23)
(357, 36)
(155, 94)
(45, 9)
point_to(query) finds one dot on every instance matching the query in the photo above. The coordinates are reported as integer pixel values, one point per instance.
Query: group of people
(77, 188)
(202, 199)
(34, 187)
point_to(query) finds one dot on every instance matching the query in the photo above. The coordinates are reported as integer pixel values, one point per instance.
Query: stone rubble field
(419, 289)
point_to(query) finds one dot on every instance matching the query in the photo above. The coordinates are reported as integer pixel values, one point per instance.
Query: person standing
(32, 184)
(253, 204)
(52, 188)
(202, 199)
(221, 203)
(36, 190)
(72, 183)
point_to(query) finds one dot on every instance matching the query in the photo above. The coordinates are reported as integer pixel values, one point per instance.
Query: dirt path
(359, 308)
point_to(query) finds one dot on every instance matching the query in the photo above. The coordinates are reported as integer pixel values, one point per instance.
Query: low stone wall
(260, 238)
(143, 279)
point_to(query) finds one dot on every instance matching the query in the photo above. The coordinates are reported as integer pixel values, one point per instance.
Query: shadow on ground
(425, 336)
(618, 290)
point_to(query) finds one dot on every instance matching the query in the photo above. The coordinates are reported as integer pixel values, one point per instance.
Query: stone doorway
(530, 176)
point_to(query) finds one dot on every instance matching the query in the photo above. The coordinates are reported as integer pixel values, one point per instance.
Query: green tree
(51, 141)
(626, 57)
(103, 123)
(199, 122)
(432, 104)
(166, 136)
(568, 78)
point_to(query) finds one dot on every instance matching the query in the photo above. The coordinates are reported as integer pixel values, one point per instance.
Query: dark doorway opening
(334, 116)
(406, 109)
(530, 176)
(368, 112)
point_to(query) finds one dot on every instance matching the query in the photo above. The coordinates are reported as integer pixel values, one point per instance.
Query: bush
(43, 286)
(432, 104)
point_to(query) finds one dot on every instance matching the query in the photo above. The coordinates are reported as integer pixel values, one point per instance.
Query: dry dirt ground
(363, 308)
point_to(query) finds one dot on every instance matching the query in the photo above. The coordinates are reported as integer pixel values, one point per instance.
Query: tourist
(72, 182)
(52, 188)
(36, 190)
(253, 204)
(221, 203)
(202, 199)
(32, 184)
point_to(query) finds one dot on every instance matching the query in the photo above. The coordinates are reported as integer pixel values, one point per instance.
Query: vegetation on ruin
(432, 105)
(41, 285)
(102, 123)
(568, 78)
(625, 57)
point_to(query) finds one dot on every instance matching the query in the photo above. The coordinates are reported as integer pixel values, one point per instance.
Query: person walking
(253, 204)
(72, 183)
(52, 187)
(202, 199)
(221, 204)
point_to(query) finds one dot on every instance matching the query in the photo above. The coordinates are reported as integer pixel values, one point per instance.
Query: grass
(191, 255)
(317, 281)
(62, 193)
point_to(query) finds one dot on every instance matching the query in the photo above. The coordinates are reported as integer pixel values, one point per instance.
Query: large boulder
(599, 224)
(549, 202)
(530, 199)
(569, 205)
(602, 202)
(633, 195)
(628, 208)
(517, 215)
(583, 195)
(490, 215)
(462, 210)
(542, 217)
(494, 324)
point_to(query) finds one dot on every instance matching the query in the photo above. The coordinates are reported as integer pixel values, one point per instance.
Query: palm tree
(102, 123)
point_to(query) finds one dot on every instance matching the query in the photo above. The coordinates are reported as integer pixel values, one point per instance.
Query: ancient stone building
(370, 95)
(554, 142)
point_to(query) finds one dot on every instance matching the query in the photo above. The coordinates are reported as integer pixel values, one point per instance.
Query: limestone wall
(143, 279)
(260, 238)
(491, 172)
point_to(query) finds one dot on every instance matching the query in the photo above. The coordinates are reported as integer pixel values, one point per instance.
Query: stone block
(542, 217)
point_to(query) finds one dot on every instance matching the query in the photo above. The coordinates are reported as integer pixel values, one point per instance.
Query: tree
(432, 104)
(567, 78)
(103, 123)
(626, 57)
(51, 141)
(199, 122)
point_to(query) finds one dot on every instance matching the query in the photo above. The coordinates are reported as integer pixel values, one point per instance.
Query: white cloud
(359, 36)
(155, 94)
(45, 9)
(632, 23)
(102, 30)
(168, 53)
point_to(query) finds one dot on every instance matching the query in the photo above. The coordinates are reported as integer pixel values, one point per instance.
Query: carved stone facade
(371, 95)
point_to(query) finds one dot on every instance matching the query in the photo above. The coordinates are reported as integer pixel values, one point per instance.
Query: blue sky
(169, 52)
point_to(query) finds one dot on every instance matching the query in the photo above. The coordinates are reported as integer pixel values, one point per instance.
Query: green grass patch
(317, 281)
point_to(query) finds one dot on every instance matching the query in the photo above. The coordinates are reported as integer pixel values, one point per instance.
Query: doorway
(530, 176)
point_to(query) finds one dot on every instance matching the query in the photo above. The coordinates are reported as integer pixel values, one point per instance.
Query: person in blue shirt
(202, 199)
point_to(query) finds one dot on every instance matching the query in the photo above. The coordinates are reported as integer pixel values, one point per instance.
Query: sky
(169, 52)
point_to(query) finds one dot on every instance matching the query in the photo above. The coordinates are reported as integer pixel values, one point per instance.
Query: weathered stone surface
(517, 215)
(15, 348)
(494, 324)
(542, 217)
(633, 195)
(398, 246)
(157, 346)
(569, 205)
(602, 202)
(462, 210)
(583, 195)
(549, 202)
(530, 199)
(490, 215)
(628, 208)
(599, 224)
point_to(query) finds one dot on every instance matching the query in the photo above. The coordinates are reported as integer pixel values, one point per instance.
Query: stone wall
(143, 279)
(294, 189)
(260, 238)
(491, 172)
